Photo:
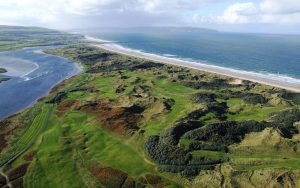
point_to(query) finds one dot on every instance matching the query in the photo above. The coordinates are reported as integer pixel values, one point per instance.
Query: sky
(264, 16)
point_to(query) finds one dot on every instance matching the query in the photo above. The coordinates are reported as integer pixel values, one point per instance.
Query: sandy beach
(283, 82)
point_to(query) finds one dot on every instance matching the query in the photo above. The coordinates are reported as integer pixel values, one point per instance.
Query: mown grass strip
(31, 134)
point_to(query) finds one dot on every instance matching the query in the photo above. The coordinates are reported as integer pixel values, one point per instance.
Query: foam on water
(188, 61)
(17, 67)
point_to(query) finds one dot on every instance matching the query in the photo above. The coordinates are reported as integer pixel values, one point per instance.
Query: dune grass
(255, 112)
(255, 161)
(182, 105)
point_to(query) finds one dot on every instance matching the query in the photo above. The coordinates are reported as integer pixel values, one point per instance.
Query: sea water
(277, 56)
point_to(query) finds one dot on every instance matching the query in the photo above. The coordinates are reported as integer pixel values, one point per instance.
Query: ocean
(276, 56)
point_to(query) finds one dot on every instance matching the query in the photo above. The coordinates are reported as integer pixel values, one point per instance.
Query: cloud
(57, 11)
(267, 11)
(118, 13)
(238, 13)
(280, 6)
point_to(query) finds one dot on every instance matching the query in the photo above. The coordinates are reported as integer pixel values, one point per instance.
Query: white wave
(206, 66)
(97, 39)
(37, 76)
(169, 55)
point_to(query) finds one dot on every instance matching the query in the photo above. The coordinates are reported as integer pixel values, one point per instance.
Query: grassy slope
(75, 142)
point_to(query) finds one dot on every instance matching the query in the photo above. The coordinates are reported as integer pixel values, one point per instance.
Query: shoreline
(78, 68)
(288, 83)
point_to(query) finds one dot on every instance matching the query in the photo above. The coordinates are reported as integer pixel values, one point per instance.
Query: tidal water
(277, 56)
(32, 75)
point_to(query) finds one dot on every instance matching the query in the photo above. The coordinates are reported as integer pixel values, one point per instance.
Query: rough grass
(54, 164)
(106, 86)
(265, 160)
(56, 154)
(182, 105)
(255, 112)
(208, 154)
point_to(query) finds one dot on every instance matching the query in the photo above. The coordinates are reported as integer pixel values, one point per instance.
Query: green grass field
(71, 138)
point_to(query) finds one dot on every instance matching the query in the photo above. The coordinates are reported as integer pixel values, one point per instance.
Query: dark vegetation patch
(204, 97)
(2, 181)
(164, 148)
(214, 84)
(64, 107)
(4, 79)
(294, 97)
(2, 70)
(140, 91)
(121, 120)
(99, 61)
(7, 129)
(63, 94)
(250, 98)
(224, 134)
(219, 109)
(285, 120)
(121, 88)
(17, 172)
(110, 177)
(17, 183)
(168, 103)
(91, 58)
(155, 181)
(165, 151)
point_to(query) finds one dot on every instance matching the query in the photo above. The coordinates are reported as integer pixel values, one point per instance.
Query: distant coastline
(280, 81)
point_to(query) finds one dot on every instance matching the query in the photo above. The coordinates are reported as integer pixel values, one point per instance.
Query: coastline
(78, 68)
(286, 83)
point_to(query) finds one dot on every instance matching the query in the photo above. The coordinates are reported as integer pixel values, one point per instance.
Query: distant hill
(147, 29)
(14, 37)
(174, 29)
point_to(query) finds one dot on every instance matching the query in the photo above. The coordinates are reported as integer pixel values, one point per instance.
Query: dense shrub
(294, 97)
(172, 135)
(204, 97)
(166, 154)
(284, 120)
(58, 98)
(91, 58)
(63, 94)
(168, 103)
(219, 109)
(146, 65)
(186, 171)
(198, 145)
(253, 98)
(216, 83)
(225, 133)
